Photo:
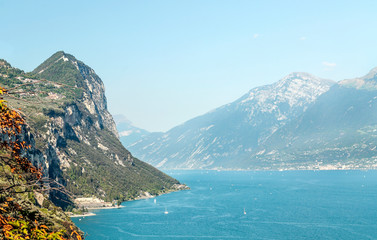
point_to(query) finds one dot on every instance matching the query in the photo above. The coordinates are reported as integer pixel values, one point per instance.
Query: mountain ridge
(93, 94)
(214, 139)
(75, 138)
(337, 132)
(288, 125)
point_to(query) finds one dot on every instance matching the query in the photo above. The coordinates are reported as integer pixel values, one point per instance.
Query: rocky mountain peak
(65, 69)
(61, 61)
(295, 89)
(300, 79)
(367, 82)
(372, 74)
(228, 133)
(299, 75)
(55, 58)
(73, 137)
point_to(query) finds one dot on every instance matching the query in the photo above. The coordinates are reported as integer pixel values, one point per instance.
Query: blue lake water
(278, 205)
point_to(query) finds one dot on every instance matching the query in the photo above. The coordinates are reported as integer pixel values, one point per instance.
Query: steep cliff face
(74, 137)
(66, 69)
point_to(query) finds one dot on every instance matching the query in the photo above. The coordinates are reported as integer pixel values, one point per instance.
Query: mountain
(66, 70)
(26, 212)
(338, 131)
(128, 133)
(74, 137)
(220, 138)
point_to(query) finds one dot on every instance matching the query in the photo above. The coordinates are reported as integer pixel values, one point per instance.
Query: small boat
(166, 211)
(155, 201)
(244, 211)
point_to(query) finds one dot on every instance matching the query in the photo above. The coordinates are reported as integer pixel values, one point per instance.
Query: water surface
(278, 205)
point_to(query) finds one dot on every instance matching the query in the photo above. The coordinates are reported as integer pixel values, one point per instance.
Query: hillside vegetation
(25, 211)
(73, 136)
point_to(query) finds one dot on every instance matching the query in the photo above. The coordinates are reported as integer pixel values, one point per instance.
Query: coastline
(89, 214)
(300, 168)
(94, 208)
(93, 203)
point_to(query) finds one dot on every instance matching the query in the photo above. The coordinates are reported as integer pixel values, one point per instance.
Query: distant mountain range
(128, 133)
(299, 122)
(339, 131)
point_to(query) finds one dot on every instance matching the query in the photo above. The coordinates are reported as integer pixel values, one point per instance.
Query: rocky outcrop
(93, 97)
(73, 137)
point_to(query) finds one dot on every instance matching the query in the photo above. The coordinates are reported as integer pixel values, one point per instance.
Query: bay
(248, 205)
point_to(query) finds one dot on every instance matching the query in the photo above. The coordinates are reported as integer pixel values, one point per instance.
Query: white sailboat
(155, 201)
(166, 211)
(244, 211)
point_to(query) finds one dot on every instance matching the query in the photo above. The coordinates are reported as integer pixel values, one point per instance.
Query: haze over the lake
(164, 62)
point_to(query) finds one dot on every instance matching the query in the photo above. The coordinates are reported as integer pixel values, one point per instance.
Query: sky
(165, 62)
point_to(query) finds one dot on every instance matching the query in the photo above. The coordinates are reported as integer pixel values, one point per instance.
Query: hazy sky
(164, 62)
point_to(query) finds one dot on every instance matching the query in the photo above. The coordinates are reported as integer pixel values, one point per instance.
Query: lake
(248, 205)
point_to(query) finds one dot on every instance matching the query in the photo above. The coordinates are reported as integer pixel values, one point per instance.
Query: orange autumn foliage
(11, 123)
(13, 225)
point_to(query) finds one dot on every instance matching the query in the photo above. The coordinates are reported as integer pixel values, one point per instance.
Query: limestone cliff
(93, 97)
(74, 137)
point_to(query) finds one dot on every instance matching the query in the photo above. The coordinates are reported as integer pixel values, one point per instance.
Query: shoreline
(269, 170)
(96, 208)
(89, 214)
(105, 205)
